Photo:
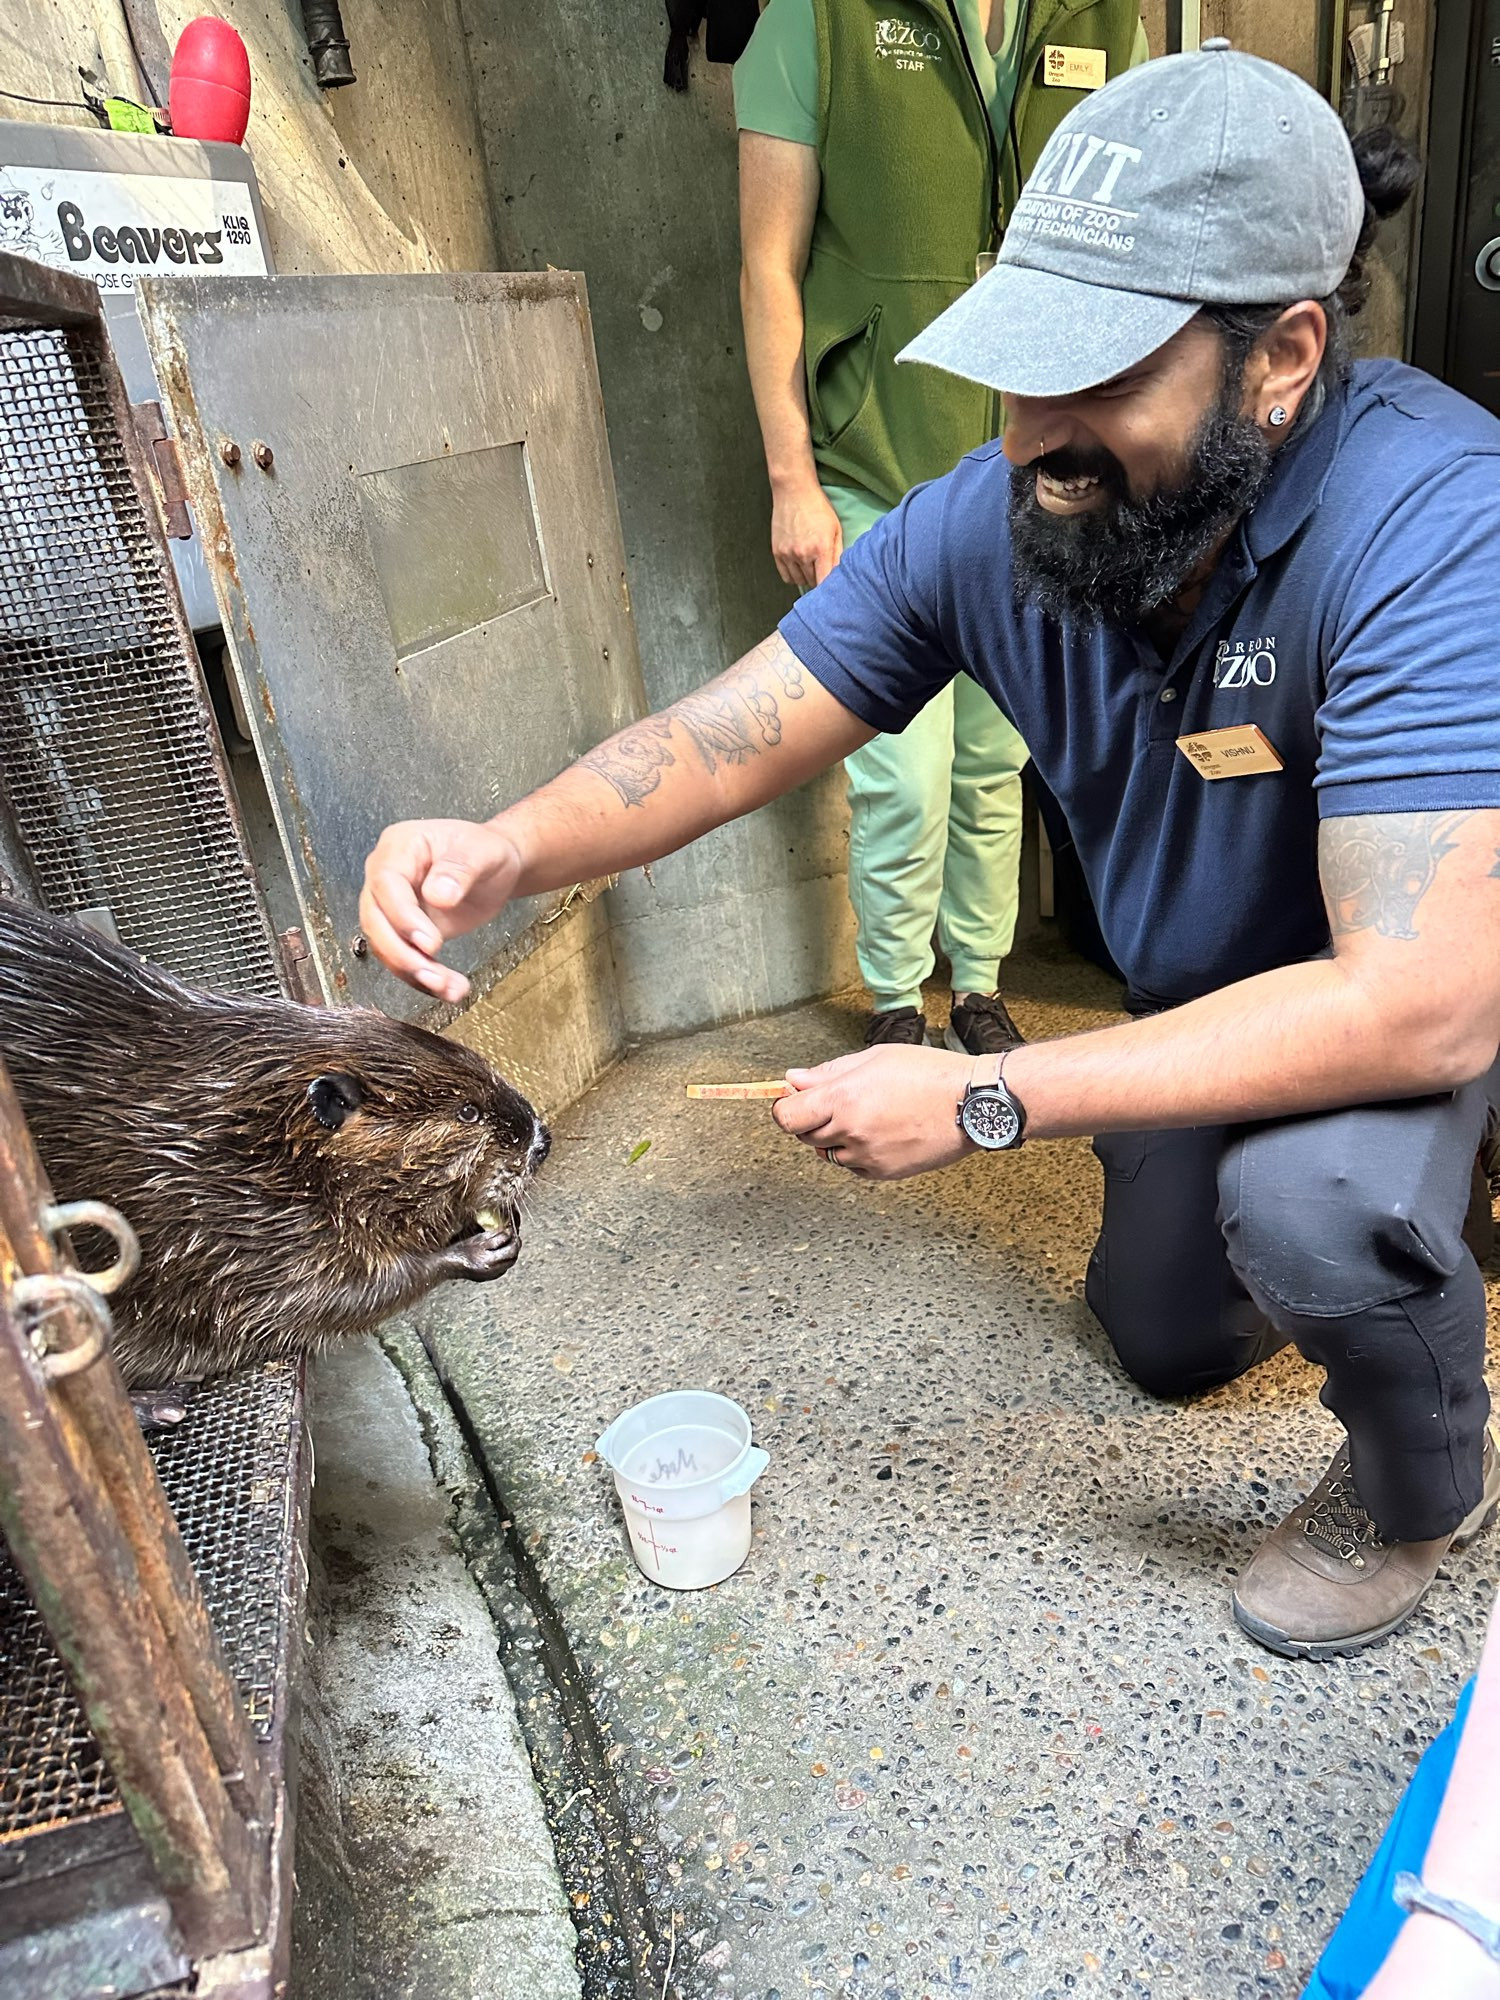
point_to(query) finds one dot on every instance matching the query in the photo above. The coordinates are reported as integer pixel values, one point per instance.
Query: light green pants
(934, 831)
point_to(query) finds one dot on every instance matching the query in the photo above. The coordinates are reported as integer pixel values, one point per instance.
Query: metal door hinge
(297, 964)
(161, 455)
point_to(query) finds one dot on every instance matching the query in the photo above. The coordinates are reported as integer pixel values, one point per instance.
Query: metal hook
(35, 1298)
(98, 1215)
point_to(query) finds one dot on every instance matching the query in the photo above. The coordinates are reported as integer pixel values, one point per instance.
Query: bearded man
(1239, 598)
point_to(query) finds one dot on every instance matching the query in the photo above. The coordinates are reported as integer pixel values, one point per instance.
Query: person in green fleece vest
(881, 142)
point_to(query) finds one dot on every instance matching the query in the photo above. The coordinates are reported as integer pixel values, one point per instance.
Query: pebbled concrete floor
(974, 1718)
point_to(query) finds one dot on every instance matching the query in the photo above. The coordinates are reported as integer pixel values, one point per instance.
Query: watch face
(991, 1120)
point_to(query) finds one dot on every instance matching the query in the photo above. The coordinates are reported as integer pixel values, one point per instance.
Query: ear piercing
(1277, 417)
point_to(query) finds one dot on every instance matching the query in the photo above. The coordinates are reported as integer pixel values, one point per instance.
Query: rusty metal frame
(89, 1528)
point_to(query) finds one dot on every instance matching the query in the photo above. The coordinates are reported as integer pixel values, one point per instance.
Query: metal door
(1456, 332)
(405, 494)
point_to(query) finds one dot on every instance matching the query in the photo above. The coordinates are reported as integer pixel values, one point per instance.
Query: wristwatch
(991, 1114)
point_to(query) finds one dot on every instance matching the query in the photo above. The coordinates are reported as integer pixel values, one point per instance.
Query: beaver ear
(334, 1098)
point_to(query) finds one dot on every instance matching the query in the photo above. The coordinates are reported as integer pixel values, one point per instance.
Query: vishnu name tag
(1074, 69)
(1230, 753)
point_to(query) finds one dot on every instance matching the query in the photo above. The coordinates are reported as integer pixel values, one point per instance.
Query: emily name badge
(1074, 69)
(1230, 753)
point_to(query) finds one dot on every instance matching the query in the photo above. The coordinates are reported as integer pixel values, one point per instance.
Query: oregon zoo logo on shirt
(907, 44)
(1245, 663)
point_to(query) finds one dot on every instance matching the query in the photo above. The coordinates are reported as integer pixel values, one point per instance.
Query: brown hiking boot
(1324, 1582)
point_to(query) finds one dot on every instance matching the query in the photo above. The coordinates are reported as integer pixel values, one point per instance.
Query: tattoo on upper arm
(731, 720)
(1377, 867)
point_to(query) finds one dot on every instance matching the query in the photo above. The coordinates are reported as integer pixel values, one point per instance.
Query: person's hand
(428, 880)
(806, 539)
(887, 1112)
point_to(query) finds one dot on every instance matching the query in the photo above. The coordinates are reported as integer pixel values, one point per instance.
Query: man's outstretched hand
(886, 1112)
(429, 880)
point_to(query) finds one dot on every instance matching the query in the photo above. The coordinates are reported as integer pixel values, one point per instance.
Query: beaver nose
(541, 1146)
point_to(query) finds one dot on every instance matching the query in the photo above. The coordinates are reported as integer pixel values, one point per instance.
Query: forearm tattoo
(1377, 867)
(731, 720)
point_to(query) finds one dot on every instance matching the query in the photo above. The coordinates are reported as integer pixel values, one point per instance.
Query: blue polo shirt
(1354, 616)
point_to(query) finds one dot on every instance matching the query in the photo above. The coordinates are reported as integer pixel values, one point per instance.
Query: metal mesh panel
(228, 1472)
(107, 761)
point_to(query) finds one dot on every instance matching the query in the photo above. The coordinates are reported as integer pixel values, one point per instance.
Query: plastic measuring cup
(683, 1465)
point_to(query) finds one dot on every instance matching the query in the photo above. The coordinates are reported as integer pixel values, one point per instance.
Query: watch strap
(1412, 1894)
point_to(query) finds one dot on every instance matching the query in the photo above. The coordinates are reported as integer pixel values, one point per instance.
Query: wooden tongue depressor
(747, 1093)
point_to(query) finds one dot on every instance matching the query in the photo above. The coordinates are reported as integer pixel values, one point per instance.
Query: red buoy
(209, 93)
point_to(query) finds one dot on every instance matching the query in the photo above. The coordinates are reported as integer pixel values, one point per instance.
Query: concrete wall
(596, 166)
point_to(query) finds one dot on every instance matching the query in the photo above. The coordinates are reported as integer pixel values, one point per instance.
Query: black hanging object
(730, 26)
(327, 43)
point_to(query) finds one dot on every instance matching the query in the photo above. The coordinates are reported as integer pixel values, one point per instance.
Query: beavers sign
(109, 227)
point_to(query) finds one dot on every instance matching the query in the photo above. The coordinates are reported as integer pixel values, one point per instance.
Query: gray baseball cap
(1206, 179)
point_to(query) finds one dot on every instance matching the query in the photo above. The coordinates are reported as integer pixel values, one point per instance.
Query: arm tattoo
(1377, 867)
(731, 720)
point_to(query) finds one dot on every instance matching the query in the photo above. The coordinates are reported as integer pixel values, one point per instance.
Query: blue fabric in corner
(1367, 1930)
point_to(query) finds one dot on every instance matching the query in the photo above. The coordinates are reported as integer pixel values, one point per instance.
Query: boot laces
(1339, 1523)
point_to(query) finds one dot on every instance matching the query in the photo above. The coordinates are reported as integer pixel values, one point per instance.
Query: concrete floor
(425, 1869)
(974, 1718)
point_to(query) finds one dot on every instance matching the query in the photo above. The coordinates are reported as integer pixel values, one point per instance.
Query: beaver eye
(469, 1113)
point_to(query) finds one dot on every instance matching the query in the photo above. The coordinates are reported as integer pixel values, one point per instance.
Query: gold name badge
(1230, 753)
(1074, 69)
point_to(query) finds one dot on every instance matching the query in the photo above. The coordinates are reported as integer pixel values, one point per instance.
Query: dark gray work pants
(1339, 1231)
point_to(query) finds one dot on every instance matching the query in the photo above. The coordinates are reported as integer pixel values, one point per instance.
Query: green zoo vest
(914, 189)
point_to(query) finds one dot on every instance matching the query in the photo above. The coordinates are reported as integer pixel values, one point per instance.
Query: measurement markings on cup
(648, 1537)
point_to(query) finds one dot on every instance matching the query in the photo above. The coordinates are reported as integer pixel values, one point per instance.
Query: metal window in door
(1456, 327)
(406, 500)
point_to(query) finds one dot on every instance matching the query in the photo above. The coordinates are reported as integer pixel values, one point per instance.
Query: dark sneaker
(896, 1024)
(1324, 1582)
(981, 1027)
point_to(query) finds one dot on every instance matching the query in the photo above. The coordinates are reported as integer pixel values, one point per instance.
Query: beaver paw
(483, 1253)
(161, 1409)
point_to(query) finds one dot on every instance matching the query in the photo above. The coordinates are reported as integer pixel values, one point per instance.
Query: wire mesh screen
(106, 757)
(228, 1471)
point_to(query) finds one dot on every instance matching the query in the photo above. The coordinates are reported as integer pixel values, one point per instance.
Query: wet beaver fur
(293, 1173)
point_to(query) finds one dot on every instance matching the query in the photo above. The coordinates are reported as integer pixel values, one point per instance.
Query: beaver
(293, 1173)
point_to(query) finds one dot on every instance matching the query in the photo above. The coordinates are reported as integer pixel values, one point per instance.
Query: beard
(1126, 556)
